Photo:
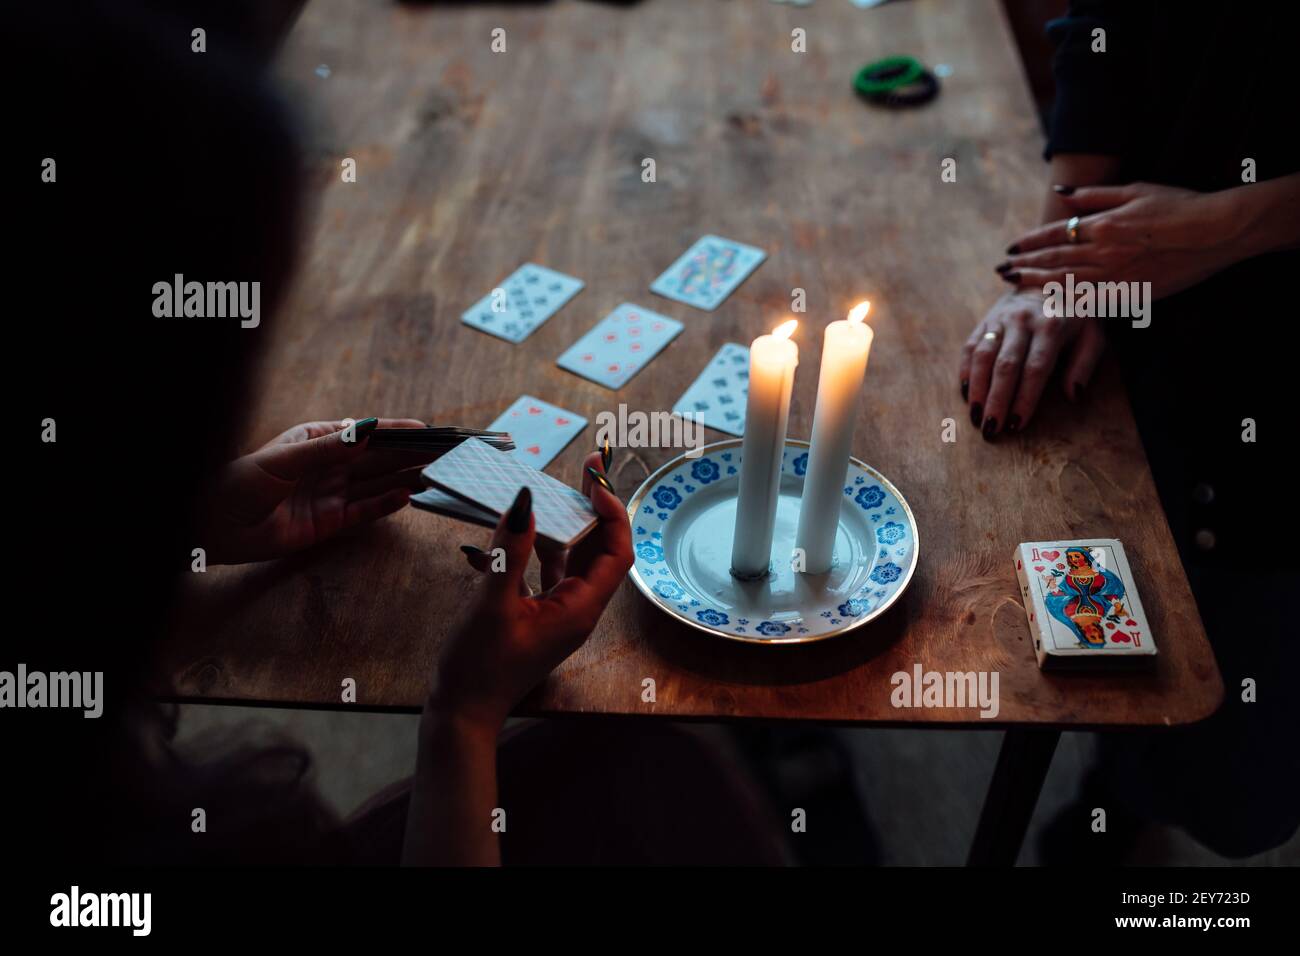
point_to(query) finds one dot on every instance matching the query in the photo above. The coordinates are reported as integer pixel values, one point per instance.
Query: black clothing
(1183, 95)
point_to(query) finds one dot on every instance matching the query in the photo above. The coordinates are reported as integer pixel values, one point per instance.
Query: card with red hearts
(620, 345)
(540, 430)
(1082, 604)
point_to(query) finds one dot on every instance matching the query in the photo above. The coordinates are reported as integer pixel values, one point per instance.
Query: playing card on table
(540, 430)
(708, 272)
(619, 345)
(528, 297)
(721, 391)
(479, 475)
(1082, 604)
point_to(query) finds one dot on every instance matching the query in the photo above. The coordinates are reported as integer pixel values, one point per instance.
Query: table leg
(1013, 792)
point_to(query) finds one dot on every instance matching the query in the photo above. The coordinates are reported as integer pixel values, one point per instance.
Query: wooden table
(470, 163)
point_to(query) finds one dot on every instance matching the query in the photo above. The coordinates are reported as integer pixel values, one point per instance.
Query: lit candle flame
(785, 329)
(859, 311)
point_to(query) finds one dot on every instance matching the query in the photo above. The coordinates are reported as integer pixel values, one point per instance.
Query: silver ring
(1072, 228)
(990, 336)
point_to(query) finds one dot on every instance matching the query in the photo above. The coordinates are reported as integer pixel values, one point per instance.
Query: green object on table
(887, 75)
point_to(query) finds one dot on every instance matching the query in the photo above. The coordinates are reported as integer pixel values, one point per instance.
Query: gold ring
(1072, 228)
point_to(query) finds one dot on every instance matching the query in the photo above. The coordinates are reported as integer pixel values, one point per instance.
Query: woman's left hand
(511, 639)
(304, 486)
(1140, 232)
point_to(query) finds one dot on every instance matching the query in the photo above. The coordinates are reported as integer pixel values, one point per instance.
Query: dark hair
(167, 161)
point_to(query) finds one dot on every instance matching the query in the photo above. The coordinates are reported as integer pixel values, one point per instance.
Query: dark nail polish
(602, 481)
(1079, 391)
(976, 414)
(606, 455)
(1002, 267)
(1013, 250)
(517, 518)
(1064, 190)
(1013, 422)
(965, 390)
(990, 428)
(1012, 277)
(470, 551)
(365, 427)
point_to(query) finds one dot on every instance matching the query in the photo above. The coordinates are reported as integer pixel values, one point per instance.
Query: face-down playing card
(482, 476)
(619, 345)
(720, 393)
(708, 272)
(441, 503)
(528, 297)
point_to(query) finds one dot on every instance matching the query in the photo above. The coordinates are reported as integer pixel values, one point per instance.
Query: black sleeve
(1094, 90)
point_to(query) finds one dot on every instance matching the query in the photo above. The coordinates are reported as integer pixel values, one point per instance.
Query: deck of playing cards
(1082, 604)
(437, 438)
(484, 482)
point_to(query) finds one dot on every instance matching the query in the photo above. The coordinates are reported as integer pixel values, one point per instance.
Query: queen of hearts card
(1081, 603)
(1084, 596)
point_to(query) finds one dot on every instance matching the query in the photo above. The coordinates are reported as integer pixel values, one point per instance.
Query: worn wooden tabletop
(471, 162)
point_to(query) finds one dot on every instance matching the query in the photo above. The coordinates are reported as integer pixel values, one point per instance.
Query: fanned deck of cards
(708, 272)
(436, 438)
(620, 345)
(528, 297)
(720, 393)
(486, 481)
(1082, 605)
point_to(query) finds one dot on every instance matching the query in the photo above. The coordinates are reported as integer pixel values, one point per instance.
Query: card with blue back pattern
(708, 272)
(528, 297)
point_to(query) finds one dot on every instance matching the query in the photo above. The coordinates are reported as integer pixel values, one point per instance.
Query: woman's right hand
(511, 640)
(1006, 362)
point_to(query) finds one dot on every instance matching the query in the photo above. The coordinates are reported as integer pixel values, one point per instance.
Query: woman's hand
(1006, 362)
(304, 486)
(1140, 232)
(511, 640)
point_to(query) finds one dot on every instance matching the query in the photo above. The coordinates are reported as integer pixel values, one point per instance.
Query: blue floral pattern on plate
(653, 569)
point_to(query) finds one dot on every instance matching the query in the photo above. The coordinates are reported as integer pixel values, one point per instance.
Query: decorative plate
(683, 517)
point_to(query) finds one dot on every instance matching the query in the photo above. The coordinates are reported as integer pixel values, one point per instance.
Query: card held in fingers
(528, 297)
(441, 503)
(620, 345)
(540, 430)
(708, 272)
(718, 397)
(480, 475)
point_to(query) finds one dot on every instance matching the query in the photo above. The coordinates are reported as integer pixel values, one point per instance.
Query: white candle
(844, 363)
(772, 360)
